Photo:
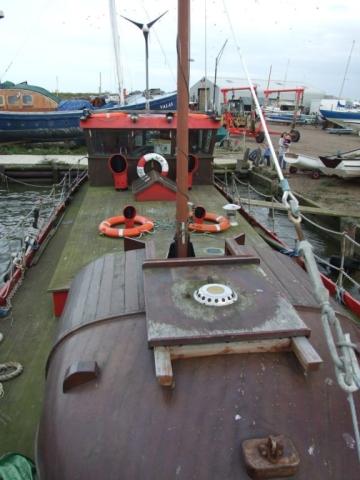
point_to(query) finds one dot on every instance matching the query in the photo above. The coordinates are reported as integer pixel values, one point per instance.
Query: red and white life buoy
(147, 158)
(108, 227)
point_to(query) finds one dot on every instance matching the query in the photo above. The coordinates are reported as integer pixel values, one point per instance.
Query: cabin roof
(155, 121)
(30, 88)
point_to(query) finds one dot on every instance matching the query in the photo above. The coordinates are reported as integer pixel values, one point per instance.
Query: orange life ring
(107, 227)
(220, 224)
(140, 169)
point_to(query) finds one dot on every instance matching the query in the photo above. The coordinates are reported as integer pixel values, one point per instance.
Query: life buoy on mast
(148, 158)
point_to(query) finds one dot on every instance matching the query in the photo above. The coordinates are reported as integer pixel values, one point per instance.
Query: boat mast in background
(346, 70)
(217, 60)
(145, 28)
(182, 234)
(115, 36)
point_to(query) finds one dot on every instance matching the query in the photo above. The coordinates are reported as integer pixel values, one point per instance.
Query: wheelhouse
(134, 134)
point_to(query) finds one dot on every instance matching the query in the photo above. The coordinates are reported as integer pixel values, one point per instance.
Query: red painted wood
(156, 192)
(122, 120)
(59, 300)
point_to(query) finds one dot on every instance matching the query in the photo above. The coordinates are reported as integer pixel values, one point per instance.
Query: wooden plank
(132, 281)
(230, 348)
(200, 261)
(103, 306)
(306, 353)
(117, 306)
(163, 367)
(282, 272)
(303, 208)
(235, 249)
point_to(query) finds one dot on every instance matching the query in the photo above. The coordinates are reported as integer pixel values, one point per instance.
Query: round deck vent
(215, 295)
(214, 251)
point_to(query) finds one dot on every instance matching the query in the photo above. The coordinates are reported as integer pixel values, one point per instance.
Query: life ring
(107, 227)
(147, 158)
(220, 224)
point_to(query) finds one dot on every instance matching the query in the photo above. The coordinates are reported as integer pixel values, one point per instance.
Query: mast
(182, 234)
(217, 60)
(115, 37)
(346, 70)
(205, 90)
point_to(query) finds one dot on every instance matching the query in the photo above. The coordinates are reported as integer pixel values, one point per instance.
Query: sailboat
(196, 361)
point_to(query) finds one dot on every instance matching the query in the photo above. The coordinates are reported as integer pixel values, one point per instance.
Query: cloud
(71, 40)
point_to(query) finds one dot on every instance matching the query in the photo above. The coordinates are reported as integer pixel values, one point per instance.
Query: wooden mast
(182, 233)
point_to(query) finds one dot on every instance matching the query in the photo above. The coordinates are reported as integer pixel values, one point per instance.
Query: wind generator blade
(156, 19)
(140, 25)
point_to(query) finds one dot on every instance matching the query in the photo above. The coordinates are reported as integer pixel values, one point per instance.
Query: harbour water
(17, 204)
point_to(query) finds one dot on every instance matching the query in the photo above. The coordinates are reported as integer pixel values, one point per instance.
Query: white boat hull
(303, 161)
(345, 169)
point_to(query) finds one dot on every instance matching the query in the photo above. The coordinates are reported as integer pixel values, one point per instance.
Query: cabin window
(1, 100)
(105, 142)
(13, 99)
(149, 141)
(200, 141)
(27, 99)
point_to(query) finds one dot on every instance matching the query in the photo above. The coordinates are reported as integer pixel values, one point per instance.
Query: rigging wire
(347, 370)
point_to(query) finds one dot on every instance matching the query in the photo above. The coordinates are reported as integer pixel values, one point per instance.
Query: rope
(346, 365)
(8, 371)
(347, 370)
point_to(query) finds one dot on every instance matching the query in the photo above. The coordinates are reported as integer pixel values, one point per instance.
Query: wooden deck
(86, 244)
(29, 330)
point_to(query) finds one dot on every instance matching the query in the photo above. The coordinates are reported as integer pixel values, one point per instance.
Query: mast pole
(182, 234)
(115, 37)
(346, 70)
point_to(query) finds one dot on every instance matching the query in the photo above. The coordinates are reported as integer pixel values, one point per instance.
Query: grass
(43, 149)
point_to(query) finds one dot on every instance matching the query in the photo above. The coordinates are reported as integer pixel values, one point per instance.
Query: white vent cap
(215, 295)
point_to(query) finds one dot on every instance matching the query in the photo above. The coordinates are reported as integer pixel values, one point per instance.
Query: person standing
(267, 155)
(284, 144)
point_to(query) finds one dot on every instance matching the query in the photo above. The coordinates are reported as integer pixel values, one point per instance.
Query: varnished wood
(198, 261)
(230, 348)
(306, 354)
(163, 367)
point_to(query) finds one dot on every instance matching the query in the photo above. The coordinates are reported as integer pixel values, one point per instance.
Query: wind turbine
(145, 28)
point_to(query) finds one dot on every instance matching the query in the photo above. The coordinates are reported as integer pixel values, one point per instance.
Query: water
(15, 206)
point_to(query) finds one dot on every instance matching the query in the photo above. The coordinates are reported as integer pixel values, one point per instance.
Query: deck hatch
(260, 312)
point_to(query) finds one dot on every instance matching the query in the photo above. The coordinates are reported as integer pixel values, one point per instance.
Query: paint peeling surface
(259, 312)
(349, 440)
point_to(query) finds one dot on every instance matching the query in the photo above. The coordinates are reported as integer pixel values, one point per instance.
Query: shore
(329, 192)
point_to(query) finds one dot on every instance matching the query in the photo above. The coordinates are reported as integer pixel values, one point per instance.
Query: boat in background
(22, 97)
(344, 165)
(32, 114)
(344, 114)
(162, 101)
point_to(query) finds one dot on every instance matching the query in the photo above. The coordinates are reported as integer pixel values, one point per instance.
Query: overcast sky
(69, 42)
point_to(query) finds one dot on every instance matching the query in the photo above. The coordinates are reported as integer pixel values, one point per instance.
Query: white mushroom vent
(215, 295)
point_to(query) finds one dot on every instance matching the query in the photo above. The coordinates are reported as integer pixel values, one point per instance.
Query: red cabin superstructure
(135, 134)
